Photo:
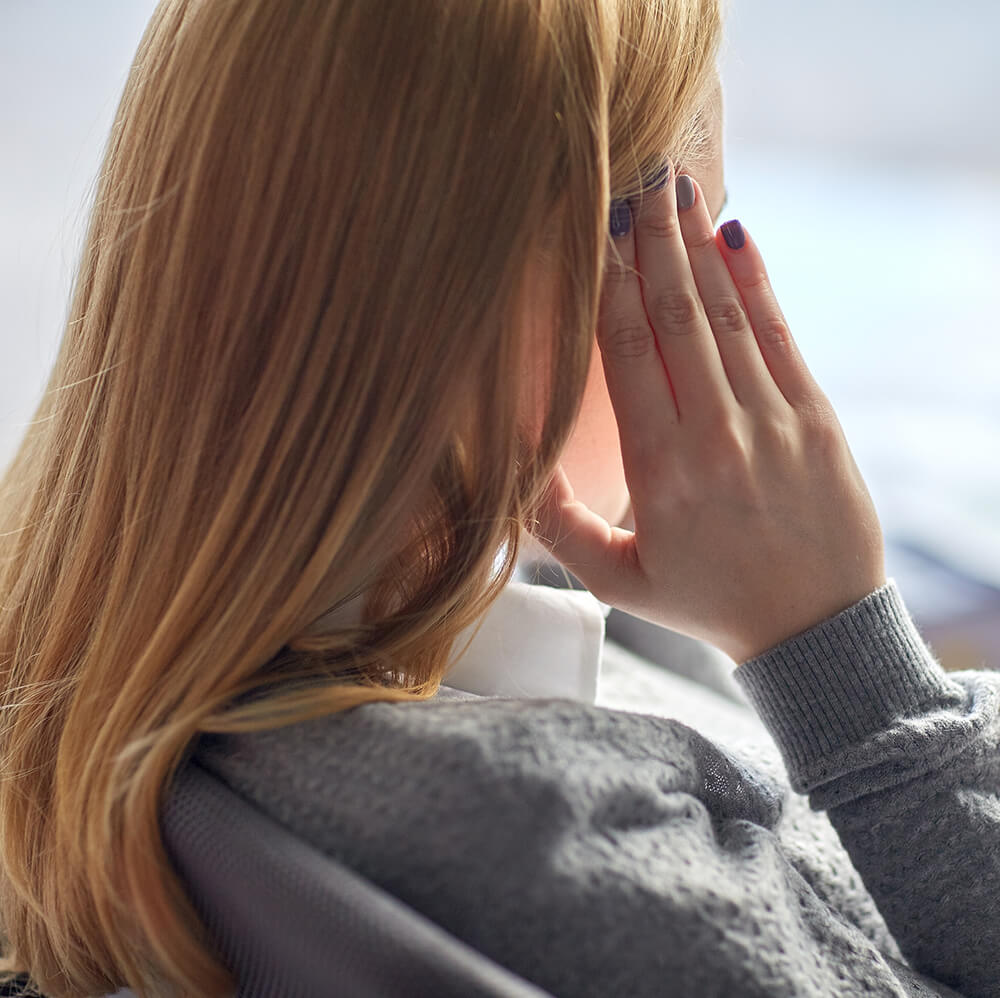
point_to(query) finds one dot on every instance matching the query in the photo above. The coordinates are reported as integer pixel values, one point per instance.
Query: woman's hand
(752, 521)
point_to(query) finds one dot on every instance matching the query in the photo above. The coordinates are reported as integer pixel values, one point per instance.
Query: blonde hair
(288, 378)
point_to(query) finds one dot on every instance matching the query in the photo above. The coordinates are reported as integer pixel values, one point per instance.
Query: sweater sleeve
(905, 759)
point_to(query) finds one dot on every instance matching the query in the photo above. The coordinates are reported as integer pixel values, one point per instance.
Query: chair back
(289, 920)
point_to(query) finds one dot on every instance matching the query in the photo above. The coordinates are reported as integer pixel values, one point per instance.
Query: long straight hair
(289, 376)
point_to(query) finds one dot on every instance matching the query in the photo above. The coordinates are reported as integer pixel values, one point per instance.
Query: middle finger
(675, 311)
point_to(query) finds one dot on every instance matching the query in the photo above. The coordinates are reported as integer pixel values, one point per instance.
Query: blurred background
(863, 152)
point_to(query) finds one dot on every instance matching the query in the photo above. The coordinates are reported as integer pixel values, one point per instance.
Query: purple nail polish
(734, 235)
(620, 222)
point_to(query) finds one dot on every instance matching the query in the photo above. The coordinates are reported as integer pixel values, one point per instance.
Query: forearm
(905, 758)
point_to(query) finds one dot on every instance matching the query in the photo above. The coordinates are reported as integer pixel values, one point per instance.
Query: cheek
(596, 424)
(592, 454)
(592, 457)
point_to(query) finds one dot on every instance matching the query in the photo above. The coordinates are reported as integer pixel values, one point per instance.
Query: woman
(334, 324)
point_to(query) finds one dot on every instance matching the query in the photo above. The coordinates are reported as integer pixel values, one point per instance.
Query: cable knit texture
(599, 852)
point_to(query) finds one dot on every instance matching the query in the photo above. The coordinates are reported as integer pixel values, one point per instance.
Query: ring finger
(741, 357)
(637, 381)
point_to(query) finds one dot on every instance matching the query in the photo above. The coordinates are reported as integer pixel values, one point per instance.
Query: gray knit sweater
(608, 853)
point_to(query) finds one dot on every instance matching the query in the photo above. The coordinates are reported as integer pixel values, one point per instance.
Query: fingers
(674, 309)
(748, 375)
(638, 384)
(689, 328)
(777, 348)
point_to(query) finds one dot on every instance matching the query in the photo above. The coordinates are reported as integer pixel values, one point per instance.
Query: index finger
(638, 384)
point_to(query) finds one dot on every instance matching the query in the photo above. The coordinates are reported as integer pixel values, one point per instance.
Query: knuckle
(661, 226)
(676, 311)
(819, 420)
(700, 239)
(625, 340)
(810, 431)
(820, 428)
(727, 454)
(616, 282)
(756, 283)
(780, 434)
(617, 272)
(727, 317)
(775, 335)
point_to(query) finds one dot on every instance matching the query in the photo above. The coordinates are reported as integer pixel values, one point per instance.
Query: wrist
(804, 616)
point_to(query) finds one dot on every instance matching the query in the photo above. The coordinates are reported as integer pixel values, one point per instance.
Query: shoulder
(550, 761)
(507, 821)
(471, 734)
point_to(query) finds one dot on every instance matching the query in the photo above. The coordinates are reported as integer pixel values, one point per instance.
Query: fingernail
(621, 219)
(734, 235)
(685, 192)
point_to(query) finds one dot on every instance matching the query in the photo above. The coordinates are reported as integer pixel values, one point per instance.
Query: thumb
(585, 543)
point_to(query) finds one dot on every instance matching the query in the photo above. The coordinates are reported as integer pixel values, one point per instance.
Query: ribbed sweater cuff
(841, 682)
